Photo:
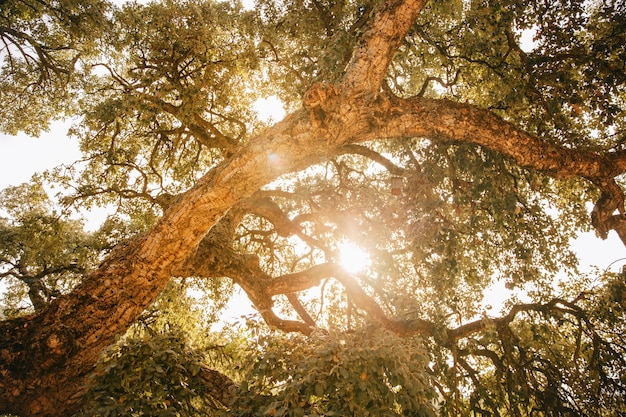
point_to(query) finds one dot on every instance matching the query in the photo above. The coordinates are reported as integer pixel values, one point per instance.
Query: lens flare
(353, 258)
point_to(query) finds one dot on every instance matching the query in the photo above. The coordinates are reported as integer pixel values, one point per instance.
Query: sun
(353, 258)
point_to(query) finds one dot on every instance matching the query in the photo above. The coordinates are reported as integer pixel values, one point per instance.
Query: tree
(498, 150)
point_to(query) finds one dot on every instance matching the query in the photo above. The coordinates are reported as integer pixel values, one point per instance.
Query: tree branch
(385, 33)
(374, 156)
(464, 123)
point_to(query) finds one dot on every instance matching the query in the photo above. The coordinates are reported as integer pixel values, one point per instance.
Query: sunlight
(527, 39)
(353, 258)
(269, 109)
(248, 4)
(495, 296)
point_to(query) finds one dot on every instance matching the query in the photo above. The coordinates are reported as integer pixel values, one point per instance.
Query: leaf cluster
(368, 373)
(563, 357)
(43, 253)
(157, 375)
(303, 41)
(41, 44)
(171, 97)
(568, 85)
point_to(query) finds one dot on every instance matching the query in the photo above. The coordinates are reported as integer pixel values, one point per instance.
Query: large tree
(423, 132)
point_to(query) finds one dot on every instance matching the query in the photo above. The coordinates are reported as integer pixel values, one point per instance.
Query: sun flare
(353, 258)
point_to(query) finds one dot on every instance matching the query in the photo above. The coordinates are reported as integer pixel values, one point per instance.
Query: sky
(23, 155)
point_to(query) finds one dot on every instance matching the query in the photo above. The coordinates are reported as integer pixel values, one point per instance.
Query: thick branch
(368, 65)
(213, 260)
(464, 123)
(459, 122)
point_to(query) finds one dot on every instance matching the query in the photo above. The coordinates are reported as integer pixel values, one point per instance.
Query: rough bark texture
(45, 358)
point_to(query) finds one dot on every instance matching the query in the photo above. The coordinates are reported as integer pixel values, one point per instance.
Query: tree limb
(385, 33)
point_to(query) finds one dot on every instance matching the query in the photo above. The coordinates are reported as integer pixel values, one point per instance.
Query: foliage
(559, 358)
(169, 102)
(43, 44)
(189, 307)
(566, 86)
(156, 375)
(157, 367)
(370, 372)
(43, 254)
(308, 41)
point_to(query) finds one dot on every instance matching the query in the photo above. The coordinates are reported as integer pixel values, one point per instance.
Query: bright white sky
(23, 155)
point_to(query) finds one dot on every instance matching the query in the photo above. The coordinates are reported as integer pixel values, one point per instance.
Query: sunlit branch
(283, 225)
(313, 276)
(121, 193)
(368, 66)
(441, 119)
(286, 326)
(297, 305)
(242, 126)
(261, 288)
(300, 281)
(374, 156)
(114, 74)
(464, 123)
(438, 80)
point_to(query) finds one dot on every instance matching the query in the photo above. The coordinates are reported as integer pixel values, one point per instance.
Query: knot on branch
(57, 346)
(611, 199)
(320, 100)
